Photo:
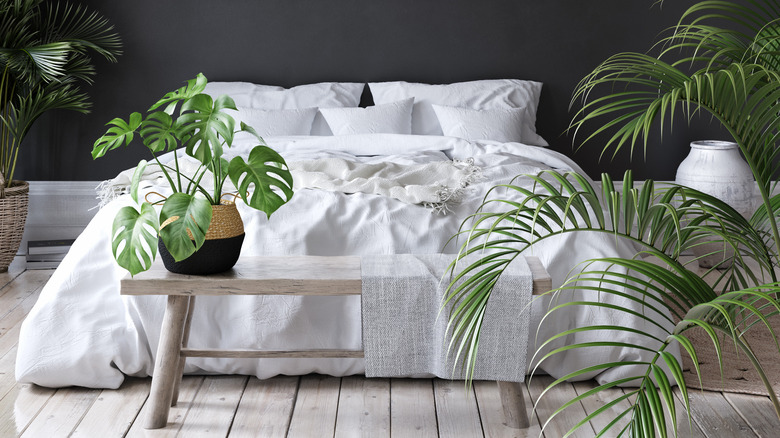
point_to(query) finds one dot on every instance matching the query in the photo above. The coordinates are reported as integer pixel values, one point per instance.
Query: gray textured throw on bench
(404, 334)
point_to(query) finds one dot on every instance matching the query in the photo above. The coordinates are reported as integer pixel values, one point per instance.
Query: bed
(82, 332)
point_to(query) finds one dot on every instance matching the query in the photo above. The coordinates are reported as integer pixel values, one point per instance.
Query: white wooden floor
(312, 406)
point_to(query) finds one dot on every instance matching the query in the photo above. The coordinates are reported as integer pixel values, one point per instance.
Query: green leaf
(251, 130)
(261, 179)
(193, 88)
(205, 126)
(184, 221)
(50, 59)
(136, 180)
(134, 242)
(158, 132)
(120, 133)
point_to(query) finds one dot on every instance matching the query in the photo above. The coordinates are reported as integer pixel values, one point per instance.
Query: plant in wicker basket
(44, 56)
(192, 225)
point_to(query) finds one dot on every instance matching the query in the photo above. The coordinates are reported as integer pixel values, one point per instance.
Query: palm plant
(729, 72)
(44, 56)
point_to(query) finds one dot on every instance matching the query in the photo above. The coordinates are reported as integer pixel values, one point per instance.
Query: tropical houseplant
(45, 52)
(203, 126)
(722, 58)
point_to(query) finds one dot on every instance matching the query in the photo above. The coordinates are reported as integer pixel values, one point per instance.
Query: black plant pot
(215, 256)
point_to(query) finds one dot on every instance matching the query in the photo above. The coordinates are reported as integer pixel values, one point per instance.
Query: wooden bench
(287, 275)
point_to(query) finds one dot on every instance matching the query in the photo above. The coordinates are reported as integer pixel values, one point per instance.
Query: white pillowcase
(484, 94)
(390, 118)
(271, 123)
(241, 92)
(321, 95)
(502, 125)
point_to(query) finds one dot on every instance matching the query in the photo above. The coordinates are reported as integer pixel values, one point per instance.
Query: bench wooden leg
(167, 363)
(514, 405)
(184, 341)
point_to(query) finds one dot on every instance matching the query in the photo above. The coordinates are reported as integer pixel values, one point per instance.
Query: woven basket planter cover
(221, 249)
(13, 214)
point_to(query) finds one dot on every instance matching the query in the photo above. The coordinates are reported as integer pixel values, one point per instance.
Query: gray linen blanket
(404, 335)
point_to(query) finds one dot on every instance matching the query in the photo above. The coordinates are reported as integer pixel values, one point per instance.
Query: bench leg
(514, 405)
(184, 340)
(167, 363)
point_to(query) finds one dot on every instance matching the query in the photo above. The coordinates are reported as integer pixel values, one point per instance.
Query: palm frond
(721, 59)
(751, 38)
(44, 58)
(666, 220)
(83, 29)
(732, 314)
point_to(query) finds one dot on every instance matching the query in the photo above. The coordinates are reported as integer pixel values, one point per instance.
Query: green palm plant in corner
(44, 57)
(732, 73)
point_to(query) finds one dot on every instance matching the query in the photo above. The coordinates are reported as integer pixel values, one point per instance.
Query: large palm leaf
(733, 76)
(666, 221)
(44, 56)
(722, 59)
(754, 37)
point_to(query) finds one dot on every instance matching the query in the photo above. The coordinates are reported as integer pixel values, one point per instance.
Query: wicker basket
(13, 214)
(221, 249)
(225, 222)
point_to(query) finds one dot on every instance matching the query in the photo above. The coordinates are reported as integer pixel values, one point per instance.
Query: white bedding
(82, 332)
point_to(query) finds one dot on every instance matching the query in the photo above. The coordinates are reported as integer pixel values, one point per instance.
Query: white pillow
(322, 95)
(502, 125)
(390, 118)
(485, 94)
(240, 92)
(270, 123)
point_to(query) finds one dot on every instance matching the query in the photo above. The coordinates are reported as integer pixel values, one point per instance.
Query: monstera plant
(187, 118)
(723, 59)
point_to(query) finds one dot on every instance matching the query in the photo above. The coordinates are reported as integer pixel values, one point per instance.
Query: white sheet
(82, 332)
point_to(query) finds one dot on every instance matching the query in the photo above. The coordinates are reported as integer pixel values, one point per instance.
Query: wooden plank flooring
(317, 406)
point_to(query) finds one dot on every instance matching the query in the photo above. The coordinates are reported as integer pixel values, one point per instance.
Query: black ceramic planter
(215, 256)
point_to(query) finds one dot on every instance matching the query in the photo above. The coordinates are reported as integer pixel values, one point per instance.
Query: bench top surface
(275, 275)
(313, 275)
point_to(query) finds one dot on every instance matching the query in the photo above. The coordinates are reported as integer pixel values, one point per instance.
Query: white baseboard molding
(59, 210)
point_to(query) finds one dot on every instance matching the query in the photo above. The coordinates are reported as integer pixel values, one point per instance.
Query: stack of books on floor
(47, 254)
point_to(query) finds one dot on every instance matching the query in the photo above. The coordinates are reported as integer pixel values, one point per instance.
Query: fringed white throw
(436, 185)
(404, 334)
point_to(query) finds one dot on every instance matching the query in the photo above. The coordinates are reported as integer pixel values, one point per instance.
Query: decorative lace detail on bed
(404, 334)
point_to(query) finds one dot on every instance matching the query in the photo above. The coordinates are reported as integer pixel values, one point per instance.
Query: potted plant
(731, 73)
(201, 125)
(44, 57)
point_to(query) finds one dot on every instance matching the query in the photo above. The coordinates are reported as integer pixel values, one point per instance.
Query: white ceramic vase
(717, 168)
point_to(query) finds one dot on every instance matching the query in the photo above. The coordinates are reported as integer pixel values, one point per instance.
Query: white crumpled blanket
(437, 185)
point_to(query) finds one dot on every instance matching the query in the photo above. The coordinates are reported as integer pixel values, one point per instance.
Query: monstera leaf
(257, 178)
(193, 88)
(182, 213)
(138, 231)
(119, 133)
(158, 132)
(203, 124)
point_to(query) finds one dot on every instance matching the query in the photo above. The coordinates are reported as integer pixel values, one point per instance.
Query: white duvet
(83, 332)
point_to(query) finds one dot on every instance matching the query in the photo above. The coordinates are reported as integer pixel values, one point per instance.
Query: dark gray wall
(291, 42)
